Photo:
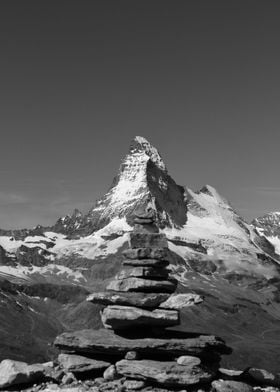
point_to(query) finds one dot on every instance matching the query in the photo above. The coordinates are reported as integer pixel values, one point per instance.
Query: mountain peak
(141, 145)
(76, 213)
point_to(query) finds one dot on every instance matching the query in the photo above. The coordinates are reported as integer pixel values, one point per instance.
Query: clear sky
(200, 79)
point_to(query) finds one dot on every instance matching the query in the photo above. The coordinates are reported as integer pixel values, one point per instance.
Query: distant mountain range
(235, 265)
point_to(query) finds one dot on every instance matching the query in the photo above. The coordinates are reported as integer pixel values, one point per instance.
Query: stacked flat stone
(139, 308)
(136, 293)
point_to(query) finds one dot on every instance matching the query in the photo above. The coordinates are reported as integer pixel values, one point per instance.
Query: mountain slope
(213, 250)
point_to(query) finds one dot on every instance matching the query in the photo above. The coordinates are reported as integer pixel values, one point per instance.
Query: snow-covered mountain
(214, 251)
(268, 225)
(202, 228)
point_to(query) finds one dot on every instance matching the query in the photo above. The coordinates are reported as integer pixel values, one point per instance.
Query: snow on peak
(139, 143)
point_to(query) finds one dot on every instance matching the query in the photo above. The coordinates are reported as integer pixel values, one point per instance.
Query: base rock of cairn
(135, 351)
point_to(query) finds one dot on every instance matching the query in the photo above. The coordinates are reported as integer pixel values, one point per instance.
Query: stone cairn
(135, 346)
(137, 351)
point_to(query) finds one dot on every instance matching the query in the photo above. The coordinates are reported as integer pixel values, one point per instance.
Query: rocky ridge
(135, 351)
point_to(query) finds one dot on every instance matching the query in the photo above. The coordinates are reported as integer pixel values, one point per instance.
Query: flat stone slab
(230, 386)
(180, 301)
(148, 240)
(142, 300)
(143, 272)
(155, 263)
(172, 343)
(123, 317)
(79, 364)
(147, 253)
(168, 374)
(143, 285)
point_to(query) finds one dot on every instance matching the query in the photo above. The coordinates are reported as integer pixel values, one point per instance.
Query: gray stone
(148, 240)
(188, 360)
(155, 263)
(105, 341)
(142, 213)
(230, 374)
(144, 285)
(122, 317)
(133, 385)
(111, 386)
(143, 221)
(168, 374)
(230, 386)
(69, 378)
(110, 373)
(17, 373)
(131, 355)
(142, 300)
(180, 301)
(143, 226)
(263, 377)
(147, 253)
(143, 272)
(79, 364)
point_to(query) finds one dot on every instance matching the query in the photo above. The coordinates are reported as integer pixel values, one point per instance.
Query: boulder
(168, 374)
(131, 355)
(143, 272)
(147, 240)
(144, 285)
(188, 360)
(172, 343)
(263, 377)
(110, 373)
(142, 300)
(123, 317)
(230, 386)
(18, 373)
(79, 364)
(147, 253)
(179, 301)
(146, 263)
